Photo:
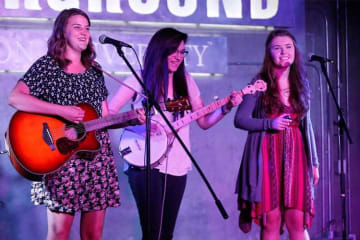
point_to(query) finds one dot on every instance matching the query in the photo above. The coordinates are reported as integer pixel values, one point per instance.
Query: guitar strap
(118, 80)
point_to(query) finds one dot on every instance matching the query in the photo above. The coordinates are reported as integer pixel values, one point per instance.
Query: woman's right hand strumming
(72, 113)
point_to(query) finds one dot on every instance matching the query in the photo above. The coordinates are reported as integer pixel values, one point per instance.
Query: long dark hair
(156, 72)
(299, 87)
(57, 40)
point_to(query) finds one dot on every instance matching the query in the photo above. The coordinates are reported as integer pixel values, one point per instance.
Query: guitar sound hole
(74, 131)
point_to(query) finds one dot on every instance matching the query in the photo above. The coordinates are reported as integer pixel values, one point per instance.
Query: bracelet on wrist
(225, 110)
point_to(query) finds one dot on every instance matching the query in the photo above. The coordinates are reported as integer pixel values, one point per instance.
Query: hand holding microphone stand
(149, 103)
(341, 123)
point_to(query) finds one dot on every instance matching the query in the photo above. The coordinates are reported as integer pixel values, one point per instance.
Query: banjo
(132, 140)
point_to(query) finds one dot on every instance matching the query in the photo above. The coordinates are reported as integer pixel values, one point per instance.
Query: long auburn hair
(57, 40)
(156, 72)
(299, 87)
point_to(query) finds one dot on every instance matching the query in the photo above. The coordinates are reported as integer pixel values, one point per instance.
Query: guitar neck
(109, 120)
(199, 113)
(113, 119)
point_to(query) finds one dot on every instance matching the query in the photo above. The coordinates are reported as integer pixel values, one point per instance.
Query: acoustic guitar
(38, 144)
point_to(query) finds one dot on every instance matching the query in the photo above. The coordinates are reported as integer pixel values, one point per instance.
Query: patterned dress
(285, 173)
(80, 184)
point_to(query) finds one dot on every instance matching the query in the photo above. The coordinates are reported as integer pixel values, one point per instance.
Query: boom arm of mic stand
(342, 123)
(217, 201)
(158, 108)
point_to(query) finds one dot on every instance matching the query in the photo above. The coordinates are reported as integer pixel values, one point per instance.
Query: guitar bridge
(47, 136)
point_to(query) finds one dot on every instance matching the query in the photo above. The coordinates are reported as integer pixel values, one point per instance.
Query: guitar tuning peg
(216, 98)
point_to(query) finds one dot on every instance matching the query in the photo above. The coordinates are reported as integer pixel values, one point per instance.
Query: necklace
(285, 95)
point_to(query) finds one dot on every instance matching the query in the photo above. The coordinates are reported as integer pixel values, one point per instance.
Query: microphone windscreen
(102, 38)
(309, 57)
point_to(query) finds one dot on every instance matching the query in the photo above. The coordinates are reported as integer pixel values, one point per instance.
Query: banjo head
(132, 146)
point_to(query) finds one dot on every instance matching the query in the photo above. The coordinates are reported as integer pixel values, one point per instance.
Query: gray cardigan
(250, 116)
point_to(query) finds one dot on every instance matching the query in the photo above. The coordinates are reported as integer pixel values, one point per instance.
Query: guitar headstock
(178, 105)
(259, 85)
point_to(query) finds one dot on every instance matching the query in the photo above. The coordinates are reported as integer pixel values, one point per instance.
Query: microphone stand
(150, 101)
(341, 123)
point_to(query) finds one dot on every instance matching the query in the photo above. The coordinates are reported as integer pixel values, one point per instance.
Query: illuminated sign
(241, 12)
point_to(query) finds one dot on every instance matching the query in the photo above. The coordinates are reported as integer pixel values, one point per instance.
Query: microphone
(104, 39)
(313, 57)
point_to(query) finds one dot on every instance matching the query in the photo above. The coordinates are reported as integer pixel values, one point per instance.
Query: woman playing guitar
(53, 85)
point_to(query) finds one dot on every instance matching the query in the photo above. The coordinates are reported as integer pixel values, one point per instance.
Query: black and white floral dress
(80, 184)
